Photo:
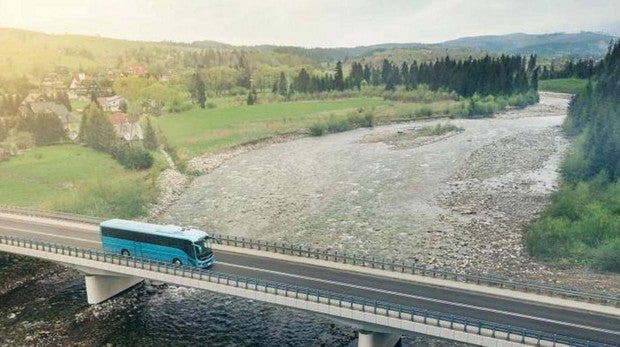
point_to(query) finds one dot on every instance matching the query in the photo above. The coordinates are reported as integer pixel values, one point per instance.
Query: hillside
(582, 45)
(34, 54)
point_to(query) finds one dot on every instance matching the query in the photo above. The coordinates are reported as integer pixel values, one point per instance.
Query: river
(42, 304)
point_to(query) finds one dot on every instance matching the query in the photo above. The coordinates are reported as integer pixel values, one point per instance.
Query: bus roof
(168, 230)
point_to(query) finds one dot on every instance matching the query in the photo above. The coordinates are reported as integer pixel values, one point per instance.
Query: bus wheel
(125, 252)
(177, 262)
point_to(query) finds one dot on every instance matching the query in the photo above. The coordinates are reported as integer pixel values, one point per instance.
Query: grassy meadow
(200, 131)
(77, 179)
(563, 85)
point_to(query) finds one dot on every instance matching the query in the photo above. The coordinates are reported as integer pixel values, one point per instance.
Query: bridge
(383, 299)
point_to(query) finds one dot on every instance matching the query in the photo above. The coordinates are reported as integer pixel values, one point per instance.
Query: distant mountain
(584, 44)
(339, 53)
(211, 44)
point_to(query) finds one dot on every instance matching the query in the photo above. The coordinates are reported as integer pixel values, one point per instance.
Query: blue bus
(165, 243)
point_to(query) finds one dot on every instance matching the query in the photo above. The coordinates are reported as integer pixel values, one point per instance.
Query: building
(125, 128)
(111, 103)
(82, 87)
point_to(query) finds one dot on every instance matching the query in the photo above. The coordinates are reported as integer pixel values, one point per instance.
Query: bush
(318, 129)
(439, 129)
(581, 223)
(337, 125)
(608, 256)
(366, 120)
(548, 238)
(576, 165)
(460, 110)
(211, 105)
(132, 158)
(356, 119)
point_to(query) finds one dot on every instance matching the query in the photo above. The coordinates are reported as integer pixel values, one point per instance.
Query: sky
(308, 23)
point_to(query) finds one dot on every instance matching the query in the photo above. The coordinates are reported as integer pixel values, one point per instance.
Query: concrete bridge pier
(100, 288)
(377, 339)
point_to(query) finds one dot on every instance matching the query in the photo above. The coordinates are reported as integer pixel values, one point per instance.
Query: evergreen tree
(302, 82)
(150, 138)
(252, 97)
(339, 77)
(197, 90)
(98, 132)
(46, 128)
(83, 127)
(63, 98)
(282, 85)
(367, 73)
(534, 80)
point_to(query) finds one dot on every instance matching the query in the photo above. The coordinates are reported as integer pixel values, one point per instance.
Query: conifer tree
(339, 77)
(282, 84)
(98, 131)
(150, 138)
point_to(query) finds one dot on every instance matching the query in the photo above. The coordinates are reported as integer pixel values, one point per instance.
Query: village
(55, 98)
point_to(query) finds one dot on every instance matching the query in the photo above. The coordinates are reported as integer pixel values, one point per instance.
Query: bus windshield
(203, 249)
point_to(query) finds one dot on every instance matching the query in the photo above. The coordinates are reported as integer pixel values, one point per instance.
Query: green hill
(579, 45)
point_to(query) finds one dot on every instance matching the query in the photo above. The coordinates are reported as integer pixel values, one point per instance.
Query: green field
(563, 85)
(199, 131)
(72, 178)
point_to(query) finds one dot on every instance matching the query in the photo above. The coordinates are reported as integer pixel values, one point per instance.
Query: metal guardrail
(370, 262)
(474, 326)
(401, 266)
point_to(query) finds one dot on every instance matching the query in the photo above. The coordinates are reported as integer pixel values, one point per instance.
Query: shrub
(608, 256)
(459, 110)
(318, 129)
(576, 165)
(597, 226)
(132, 158)
(211, 105)
(424, 111)
(548, 238)
(439, 129)
(366, 120)
(337, 125)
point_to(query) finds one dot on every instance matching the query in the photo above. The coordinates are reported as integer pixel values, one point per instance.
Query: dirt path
(457, 201)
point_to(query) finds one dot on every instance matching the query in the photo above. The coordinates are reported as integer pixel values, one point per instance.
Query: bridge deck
(561, 321)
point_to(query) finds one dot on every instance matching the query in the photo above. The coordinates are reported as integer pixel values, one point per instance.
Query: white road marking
(47, 234)
(424, 298)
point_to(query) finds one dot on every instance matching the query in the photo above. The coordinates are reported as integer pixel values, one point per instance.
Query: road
(561, 321)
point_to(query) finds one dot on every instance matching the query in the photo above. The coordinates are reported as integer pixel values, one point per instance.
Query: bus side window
(187, 248)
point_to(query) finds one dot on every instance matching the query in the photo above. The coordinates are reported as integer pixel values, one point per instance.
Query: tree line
(504, 75)
(583, 68)
(582, 225)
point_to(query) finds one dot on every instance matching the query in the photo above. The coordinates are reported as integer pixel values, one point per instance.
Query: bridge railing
(458, 323)
(370, 262)
(401, 266)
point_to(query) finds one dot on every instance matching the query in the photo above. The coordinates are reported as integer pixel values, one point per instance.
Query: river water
(45, 305)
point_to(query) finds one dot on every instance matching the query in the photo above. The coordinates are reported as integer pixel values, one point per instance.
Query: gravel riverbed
(459, 201)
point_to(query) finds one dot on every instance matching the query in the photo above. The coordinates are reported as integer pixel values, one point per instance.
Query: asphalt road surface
(561, 321)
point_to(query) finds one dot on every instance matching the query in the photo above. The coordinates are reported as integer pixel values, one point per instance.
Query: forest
(582, 224)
